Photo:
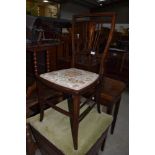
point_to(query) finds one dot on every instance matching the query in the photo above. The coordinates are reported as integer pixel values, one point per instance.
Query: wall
(121, 9)
(122, 12)
(69, 9)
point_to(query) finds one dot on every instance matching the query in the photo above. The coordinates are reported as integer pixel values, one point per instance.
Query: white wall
(69, 9)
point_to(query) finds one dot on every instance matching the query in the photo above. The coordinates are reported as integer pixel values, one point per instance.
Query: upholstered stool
(111, 97)
(53, 135)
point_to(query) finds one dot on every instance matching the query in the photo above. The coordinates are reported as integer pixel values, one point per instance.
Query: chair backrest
(91, 37)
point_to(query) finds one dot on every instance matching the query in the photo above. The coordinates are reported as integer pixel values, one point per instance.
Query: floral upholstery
(72, 78)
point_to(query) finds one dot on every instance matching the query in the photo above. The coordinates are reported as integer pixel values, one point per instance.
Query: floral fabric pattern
(72, 78)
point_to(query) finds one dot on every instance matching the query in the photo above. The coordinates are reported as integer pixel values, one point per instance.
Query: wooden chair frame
(74, 95)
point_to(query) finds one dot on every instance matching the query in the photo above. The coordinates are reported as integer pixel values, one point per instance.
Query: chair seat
(72, 78)
(56, 129)
(112, 89)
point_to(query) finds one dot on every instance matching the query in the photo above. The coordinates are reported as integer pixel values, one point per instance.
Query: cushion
(56, 128)
(72, 78)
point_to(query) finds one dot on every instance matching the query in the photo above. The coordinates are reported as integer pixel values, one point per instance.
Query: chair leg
(41, 104)
(115, 115)
(40, 100)
(70, 108)
(104, 141)
(31, 146)
(75, 120)
(103, 144)
(98, 107)
(97, 95)
(41, 112)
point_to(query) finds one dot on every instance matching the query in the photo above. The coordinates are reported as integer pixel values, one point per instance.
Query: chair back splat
(91, 38)
(90, 48)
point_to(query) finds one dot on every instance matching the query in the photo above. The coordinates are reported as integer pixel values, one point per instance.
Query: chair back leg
(115, 115)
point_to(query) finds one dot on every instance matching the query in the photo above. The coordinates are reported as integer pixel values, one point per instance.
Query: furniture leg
(103, 143)
(30, 144)
(98, 98)
(115, 115)
(98, 107)
(70, 108)
(40, 100)
(41, 111)
(75, 120)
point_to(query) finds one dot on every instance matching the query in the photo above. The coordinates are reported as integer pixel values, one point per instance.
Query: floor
(118, 143)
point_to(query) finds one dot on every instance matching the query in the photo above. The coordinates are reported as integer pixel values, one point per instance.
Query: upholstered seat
(56, 129)
(72, 78)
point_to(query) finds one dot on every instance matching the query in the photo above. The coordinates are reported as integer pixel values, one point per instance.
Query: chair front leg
(70, 108)
(75, 119)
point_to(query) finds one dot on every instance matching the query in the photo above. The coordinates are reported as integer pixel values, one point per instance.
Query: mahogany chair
(110, 97)
(75, 82)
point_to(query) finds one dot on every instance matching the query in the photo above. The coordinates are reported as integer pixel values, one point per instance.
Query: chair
(75, 82)
(110, 97)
